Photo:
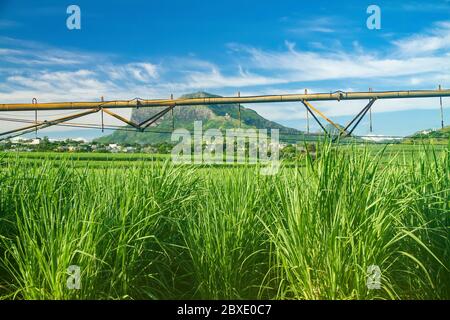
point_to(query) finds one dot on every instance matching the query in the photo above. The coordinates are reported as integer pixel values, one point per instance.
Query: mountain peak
(217, 116)
(199, 94)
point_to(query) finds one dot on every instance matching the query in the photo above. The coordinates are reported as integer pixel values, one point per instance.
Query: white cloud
(30, 57)
(215, 79)
(140, 71)
(432, 40)
(312, 66)
(315, 25)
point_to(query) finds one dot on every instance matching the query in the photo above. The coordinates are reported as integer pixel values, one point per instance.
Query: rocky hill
(213, 116)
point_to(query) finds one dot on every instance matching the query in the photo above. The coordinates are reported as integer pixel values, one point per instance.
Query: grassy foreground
(165, 232)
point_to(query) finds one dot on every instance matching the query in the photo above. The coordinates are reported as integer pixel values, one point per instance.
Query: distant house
(114, 148)
(18, 140)
(35, 142)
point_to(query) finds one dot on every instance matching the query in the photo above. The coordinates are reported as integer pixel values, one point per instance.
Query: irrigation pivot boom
(169, 104)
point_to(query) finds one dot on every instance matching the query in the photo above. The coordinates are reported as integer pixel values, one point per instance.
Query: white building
(35, 142)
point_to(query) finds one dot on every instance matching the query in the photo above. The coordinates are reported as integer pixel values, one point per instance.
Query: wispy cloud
(298, 66)
(29, 53)
(315, 25)
(435, 39)
(138, 71)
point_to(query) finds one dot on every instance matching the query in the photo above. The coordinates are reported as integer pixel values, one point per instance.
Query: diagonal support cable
(315, 118)
(358, 118)
(144, 125)
(306, 103)
(42, 125)
(115, 115)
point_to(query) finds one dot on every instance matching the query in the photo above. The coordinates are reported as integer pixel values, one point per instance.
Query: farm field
(387, 153)
(140, 227)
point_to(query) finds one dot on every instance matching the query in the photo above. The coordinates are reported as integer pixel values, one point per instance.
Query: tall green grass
(161, 231)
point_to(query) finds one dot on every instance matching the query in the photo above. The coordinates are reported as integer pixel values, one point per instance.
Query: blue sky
(151, 49)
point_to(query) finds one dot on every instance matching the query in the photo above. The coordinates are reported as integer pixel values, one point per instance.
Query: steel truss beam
(170, 104)
(342, 132)
(358, 119)
(144, 124)
(310, 108)
(315, 117)
(136, 103)
(45, 124)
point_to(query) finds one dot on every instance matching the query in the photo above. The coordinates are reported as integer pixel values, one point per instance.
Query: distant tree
(44, 145)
